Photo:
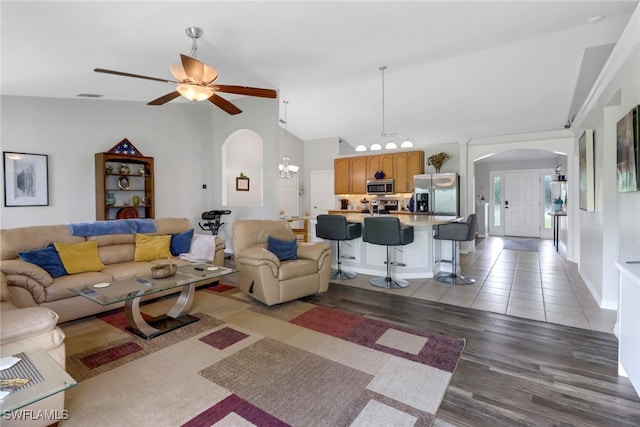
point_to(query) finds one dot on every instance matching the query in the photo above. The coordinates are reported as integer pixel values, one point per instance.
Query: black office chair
(336, 227)
(456, 232)
(387, 231)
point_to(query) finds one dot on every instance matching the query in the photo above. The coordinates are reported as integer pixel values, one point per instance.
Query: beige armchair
(264, 277)
(23, 326)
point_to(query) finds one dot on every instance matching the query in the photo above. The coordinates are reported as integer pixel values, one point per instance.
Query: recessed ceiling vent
(89, 95)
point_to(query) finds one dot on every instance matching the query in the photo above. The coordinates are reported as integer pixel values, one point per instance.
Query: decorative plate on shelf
(127, 213)
(124, 183)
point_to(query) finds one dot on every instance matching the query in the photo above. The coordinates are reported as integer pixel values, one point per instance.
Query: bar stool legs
(338, 274)
(387, 282)
(453, 278)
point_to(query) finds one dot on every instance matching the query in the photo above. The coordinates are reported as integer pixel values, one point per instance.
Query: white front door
(522, 203)
(322, 197)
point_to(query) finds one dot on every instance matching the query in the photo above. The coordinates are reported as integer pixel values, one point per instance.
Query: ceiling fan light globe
(194, 92)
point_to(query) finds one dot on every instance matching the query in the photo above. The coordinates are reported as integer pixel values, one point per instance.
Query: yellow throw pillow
(80, 257)
(151, 248)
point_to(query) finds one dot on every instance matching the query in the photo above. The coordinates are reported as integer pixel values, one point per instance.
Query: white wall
(612, 231)
(318, 156)
(71, 131)
(261, 116)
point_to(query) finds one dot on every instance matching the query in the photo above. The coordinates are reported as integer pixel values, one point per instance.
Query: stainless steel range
(383, 206)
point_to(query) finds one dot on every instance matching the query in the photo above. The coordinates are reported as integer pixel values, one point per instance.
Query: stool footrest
(445, 260)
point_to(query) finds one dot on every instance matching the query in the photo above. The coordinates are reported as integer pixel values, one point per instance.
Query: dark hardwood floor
(513, 371)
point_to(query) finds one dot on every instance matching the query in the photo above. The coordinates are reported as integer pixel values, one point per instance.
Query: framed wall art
(586, 175)
(628, 155)
(242, 184)
(26, 180)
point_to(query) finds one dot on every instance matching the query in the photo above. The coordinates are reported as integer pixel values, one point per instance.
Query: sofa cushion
(150, 248)
(181, 243)
(283, 249)
(80, 257)
(46, 258)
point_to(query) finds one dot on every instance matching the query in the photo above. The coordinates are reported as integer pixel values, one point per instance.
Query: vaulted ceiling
(455, 70)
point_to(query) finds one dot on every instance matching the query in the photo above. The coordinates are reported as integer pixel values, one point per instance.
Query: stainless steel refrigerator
(437, 194)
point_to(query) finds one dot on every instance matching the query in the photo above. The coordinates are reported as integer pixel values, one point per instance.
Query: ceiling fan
(195, 80)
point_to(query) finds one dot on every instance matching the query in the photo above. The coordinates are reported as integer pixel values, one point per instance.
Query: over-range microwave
(380, 186)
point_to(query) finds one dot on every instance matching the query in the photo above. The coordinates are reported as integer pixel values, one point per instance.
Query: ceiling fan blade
(165, 98)
(192, 67)
(244, 90)
(224, 104)
(138, 76)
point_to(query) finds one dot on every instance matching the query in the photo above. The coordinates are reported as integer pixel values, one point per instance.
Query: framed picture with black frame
(26, 179)
(242, 184)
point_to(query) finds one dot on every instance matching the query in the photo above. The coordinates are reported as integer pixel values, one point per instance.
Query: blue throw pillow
(181, 243)
(282, 249)
(47, 258)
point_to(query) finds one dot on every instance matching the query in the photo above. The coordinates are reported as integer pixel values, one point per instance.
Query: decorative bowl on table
(163, 271)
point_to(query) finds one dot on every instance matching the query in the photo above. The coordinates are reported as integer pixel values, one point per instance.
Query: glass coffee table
(132, 289)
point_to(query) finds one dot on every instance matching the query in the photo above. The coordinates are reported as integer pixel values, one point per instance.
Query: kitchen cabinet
(405, 166)
(352, 173)
(341, 176)
(358, 167)
(380, 163)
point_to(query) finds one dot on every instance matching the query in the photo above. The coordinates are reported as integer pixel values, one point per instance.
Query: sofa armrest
(257, 256)
(26, 323)
(314, 251)
(17, 267)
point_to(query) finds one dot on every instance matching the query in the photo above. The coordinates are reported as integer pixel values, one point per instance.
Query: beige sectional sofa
(28, 285)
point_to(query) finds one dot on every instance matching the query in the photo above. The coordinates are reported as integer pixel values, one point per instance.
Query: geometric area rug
(293, 364)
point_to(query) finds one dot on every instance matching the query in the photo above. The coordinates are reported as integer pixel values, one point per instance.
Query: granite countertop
(414, 219)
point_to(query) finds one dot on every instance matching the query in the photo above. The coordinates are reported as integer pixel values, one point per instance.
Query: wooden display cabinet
(129, 179)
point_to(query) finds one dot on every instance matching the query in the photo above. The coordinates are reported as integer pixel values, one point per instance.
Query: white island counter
(419, 257)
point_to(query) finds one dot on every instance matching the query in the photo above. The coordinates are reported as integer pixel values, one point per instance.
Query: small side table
(54, 378)
(556, 226)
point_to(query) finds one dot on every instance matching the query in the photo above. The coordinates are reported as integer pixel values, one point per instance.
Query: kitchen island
(419, 257)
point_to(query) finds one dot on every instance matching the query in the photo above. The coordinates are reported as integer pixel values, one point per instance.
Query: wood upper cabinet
(373, 166)
(380, 163)
(352, 173)
(406, 165)
(358, 175)
(400, 180)
(341, 176)
(386, 165)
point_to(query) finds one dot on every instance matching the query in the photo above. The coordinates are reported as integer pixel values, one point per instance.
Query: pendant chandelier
(287, 170)
(389, 141)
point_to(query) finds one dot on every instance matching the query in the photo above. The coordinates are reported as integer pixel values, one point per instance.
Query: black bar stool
(387, 231)
(456, 232)
(336, 227)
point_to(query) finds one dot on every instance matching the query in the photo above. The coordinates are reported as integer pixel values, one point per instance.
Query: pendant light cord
(382, 68)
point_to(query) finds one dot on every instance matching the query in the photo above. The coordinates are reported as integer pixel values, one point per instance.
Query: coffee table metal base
(175, 318)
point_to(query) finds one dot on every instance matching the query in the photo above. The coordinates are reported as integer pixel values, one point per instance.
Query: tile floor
(535, 285)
